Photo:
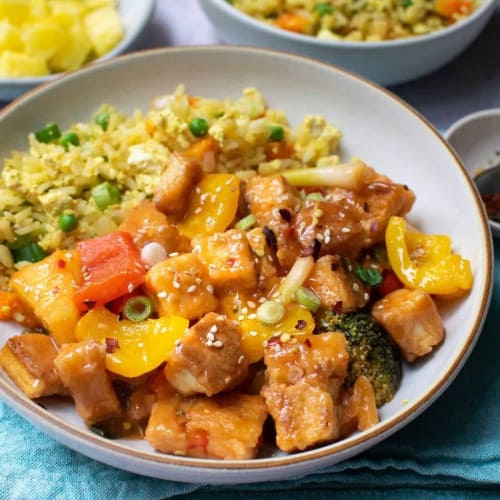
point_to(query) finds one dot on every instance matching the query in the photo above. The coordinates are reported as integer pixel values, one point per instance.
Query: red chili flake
(301, 324)
(61, 264)
(231, 261)
(111, 345)
(337, 307)
(55, 290)
(307, 342)
(274, 340)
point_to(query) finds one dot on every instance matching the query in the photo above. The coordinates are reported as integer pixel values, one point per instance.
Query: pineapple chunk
(44, 38)
(74, 53)
(15, 11)
(104, 29)
(29, 361)
(10, 37)
(47, 287)
(16, 64)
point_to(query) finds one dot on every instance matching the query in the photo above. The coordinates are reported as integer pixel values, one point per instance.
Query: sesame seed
(210, 289)
(191, 289)
(130, 288)
(346, 229)
(252, 316)
(162, 294)
(285, 337)
(210, 336)
(366, 296)
(252, 304)
(240, 359)
(198, 210)
(355, 287)
(173, 254)
(252, 333)
(218, 344)
(221, 317)
(197, 281)
(209, 343)
(213, 328)
(241, 317)
(176, 284)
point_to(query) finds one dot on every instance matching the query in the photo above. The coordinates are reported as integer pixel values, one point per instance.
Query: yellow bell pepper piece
(213, 205)
(425, 261)
(140, 346)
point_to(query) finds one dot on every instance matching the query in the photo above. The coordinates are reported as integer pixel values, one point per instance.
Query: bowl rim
(145, 11)
(240, 16)
(369, 437)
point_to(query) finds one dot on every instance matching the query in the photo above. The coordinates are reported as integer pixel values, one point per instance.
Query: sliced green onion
(315, 197)
(323, 8)
(246, 223)
(138, 308)
(276, 133)
(307, 298)
(347, 176)
(198, 127)
(105, 195)
(270, 312)
(48, 134)
(69, 138)
(21, 241)
(67, 221)
(32, 252)
(102, 119)
(295, 278)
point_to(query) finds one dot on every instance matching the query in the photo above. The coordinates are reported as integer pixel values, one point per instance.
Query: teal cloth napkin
(451, 451)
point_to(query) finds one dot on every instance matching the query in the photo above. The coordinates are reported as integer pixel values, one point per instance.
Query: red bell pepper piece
(112, 267)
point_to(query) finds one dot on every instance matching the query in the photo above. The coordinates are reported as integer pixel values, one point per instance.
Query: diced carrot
(198, 149)
(8, 303)
(150, 128)
(292, 22)
(449, 8)
(193, 100)
(390, 282)
(112, 267)
(279, 150)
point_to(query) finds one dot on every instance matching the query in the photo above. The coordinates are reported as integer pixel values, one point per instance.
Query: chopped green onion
(276, 133)
(138, 308)
(32, 252)
(369, 275)
(407, 3)
(307, 298)
(102, 119)
(315, 197)
(270, 312)
(105, 195)
(198, 127)
(69, 138)
(20, 241)
(295, 278)
(48, 134)
(246, 223)
(67, 221)
(323, 8)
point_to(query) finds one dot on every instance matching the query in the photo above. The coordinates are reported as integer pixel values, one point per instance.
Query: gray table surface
(469, 83)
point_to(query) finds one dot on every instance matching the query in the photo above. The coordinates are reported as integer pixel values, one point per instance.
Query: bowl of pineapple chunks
(41, 39)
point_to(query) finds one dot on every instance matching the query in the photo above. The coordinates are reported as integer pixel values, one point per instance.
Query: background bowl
(134, 16)
(387, 63)
(476, 139)
(376, 126)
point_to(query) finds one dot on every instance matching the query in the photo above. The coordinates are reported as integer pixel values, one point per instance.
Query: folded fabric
(451, 450)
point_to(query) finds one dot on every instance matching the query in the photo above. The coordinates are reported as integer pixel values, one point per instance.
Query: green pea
(276, 133)
(69, 138)
(102, 119)
(323, 9)
(49, 133)
(67, 222)
(198, 127)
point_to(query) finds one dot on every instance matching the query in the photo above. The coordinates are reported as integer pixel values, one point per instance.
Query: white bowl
(134, 16)
(376, 126)
(387, 63)
(476, 139)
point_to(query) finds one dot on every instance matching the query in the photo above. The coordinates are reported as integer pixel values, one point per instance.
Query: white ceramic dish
(134, 16)
(476, 139)
(377, 127)
(387, 63)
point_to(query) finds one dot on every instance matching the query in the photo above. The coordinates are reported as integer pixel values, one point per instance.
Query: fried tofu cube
(228, 258)
(47, 288)
(176, 184)
(208, 359)
(227, 426)
(146, 224)
(82, 369)
(304, 415)
(181, 286)
(336, 286)
(28, 360)
(412, 319)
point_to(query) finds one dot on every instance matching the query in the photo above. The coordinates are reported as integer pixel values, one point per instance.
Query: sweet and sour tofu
(208, 359)
(227, 426)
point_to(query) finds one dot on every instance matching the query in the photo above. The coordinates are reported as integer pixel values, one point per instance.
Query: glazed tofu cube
(227, 426)
(304, 415)
(146, 224)
(81, 367)
(28, 360)
(273, 201)
(208, 359)
(336, 286)
(47, 288)
(180, 286)
(228, 258)
(303, 380)
(412, 320)
(176, 184)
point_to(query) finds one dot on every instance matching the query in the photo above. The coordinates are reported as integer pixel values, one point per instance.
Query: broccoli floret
(372, 352)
